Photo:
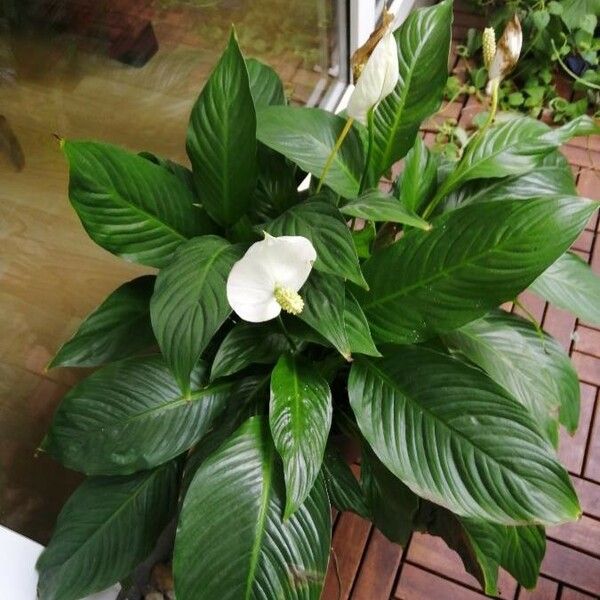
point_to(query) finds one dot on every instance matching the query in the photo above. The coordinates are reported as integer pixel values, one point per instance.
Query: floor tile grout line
(400, 567)
(588, 442)
(360, 562)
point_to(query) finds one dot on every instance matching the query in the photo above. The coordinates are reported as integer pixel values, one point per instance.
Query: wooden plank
(572, 567)
(546, 589)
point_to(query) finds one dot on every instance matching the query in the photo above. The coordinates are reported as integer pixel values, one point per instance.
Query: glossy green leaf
(418, 181)
(118, 328)
(232, 542)
(247, 344)
(364, 238)
(532, 366)
(324, 310)
(570, 284)
(471, 261)
(357, 328)
(322, 223)
(221, 139)
(307, 136)
(423, 48)
(128, 205)
(376, 205)
(300, 418)
(107, 527)
(131, 415)
(265, 85)
(552, 177)
(189, 302)
(392, 504)
(343, 488)
(457, 438)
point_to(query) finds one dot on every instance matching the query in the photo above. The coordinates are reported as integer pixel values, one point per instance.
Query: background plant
(561, 39)
(232, 429)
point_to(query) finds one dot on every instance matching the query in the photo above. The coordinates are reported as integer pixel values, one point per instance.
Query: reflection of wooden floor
(371, 568)
(51, 274)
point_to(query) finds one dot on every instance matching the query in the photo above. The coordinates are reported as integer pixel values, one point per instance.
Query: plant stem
(287, 335)
(530, 316)
(364, 177)
(336, 148)
(576, 77)
(493, 106)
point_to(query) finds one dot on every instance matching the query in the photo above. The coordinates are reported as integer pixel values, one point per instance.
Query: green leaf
(300, 418)
(363, 239)
(247, 344)
(324, 310)
(457, 438)
(530, 365)
(376, 205)
(392, 504)
(106, 528)
(522, 553)
(357, 328)
(256, 554)
(118, 328)
(221, 139)
(513, 147)
(552, 177)
(573, 9)
(307, 136)
(265, 85)
(570, 284)
(472, 260)
(418, 181)
(423, 48)
(131, 415)
(322, 223)
(189, 302)
(128, 205)
(343, 488)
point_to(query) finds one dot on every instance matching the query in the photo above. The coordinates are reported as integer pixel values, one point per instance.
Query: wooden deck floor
(369, 567)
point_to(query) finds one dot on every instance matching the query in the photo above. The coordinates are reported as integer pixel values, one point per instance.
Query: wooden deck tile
(571, 594)
(546, 589)
(572, 567)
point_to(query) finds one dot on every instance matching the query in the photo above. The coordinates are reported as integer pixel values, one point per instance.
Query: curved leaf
(246, 344)
(190, 303)
(130, 416)
(552, 177)
(472, 260)
(324, 310)
(376, 205)
(423, 48)
(570, 284)
(257, 554)
(265, 85)
(118, 328)
(300, 418)
(324, 226)
(456, 438)
(106, 528)
(357, 328)
(128, 205)
(343, 488)
(307, 136)
(532, 366)
(221, 139)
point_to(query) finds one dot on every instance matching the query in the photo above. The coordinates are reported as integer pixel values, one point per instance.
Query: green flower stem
(370, 126)
(530, 316)
(336, 148)
(287, 335)
(493, 106)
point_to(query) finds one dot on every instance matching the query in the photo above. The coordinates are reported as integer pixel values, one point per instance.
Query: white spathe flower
(267, 278)
(507, 53)
(377, 80)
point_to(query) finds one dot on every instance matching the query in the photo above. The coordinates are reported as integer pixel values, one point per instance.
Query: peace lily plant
(281, 326)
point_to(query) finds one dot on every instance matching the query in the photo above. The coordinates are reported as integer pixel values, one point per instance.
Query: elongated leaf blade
(532, 366)
(357, 328)
(256, 555)
(221, 139)
(322, 223)
(570, 284)
(300, 418)
(471, 261)
(375, 205)
(131, 415)
(423, 48)
(324, 310)
(246, 344)
(190, 303)
(265, 85)
(307, 137)
(455, 437)
(118, 328)
(107, 527)
(128, 205)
